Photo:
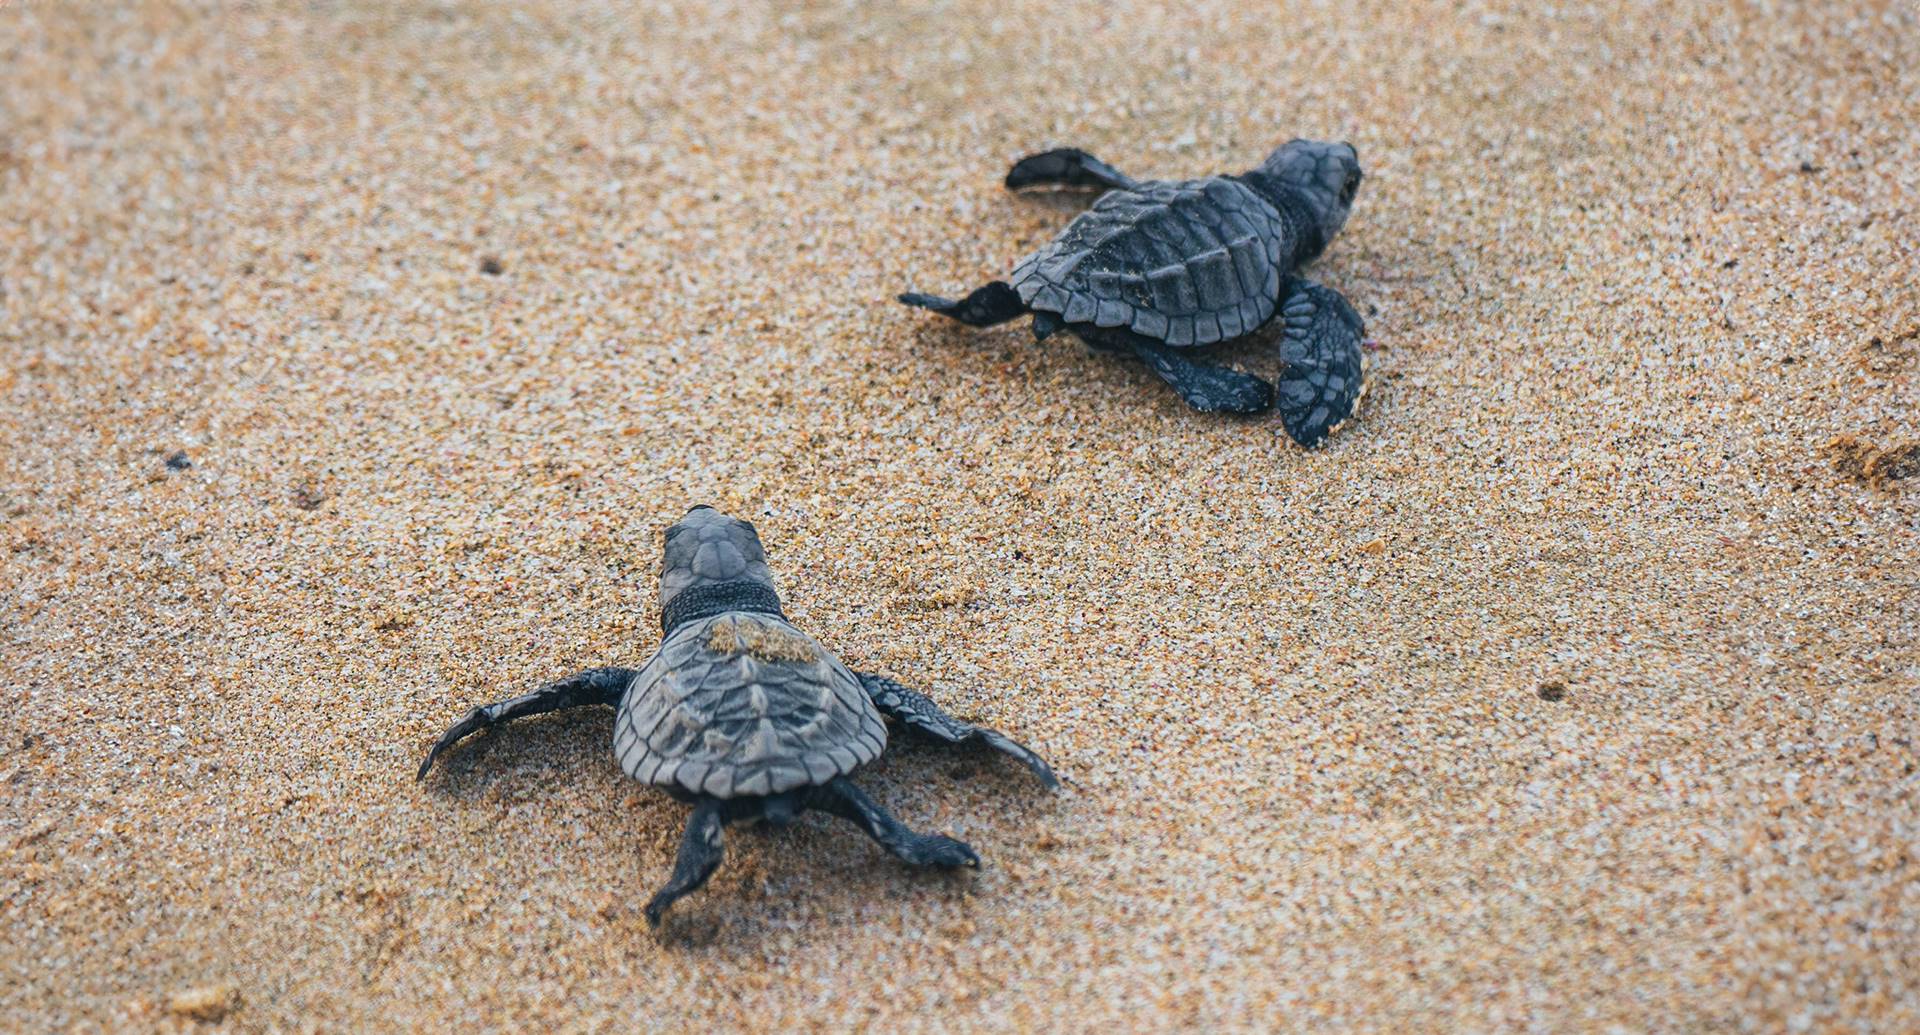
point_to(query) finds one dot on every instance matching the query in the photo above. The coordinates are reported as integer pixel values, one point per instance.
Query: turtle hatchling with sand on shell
(1159, 268)
(744, 716)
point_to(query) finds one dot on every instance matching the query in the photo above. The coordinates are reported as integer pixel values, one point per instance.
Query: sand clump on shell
(733, 635)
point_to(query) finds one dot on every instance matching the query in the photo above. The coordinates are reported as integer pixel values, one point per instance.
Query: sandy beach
(354, 356)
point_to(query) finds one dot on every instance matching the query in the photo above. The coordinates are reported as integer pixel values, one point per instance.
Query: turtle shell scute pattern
(1188, 262)
(743, 704)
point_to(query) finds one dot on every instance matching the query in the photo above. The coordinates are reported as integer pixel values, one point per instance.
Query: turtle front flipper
(1065, 167)
(1205, 386)
(917, 712)
(995, 303)
(1321, 343)
(594, 686)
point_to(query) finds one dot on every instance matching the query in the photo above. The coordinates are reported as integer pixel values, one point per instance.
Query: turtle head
(707, 548)
(1316, 178)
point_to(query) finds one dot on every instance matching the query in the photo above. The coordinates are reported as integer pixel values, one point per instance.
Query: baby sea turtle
(1158, 267)
(745, 716)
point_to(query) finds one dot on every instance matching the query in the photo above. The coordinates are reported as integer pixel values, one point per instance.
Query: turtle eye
(1347, 190)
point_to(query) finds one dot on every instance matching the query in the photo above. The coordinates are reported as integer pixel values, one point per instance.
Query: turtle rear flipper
(1322, 346)
(701, 849)
(839, 797)
(1065, 167)
(995, 303)
(1205, 387)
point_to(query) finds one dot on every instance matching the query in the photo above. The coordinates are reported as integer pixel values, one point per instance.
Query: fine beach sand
(1571, 687)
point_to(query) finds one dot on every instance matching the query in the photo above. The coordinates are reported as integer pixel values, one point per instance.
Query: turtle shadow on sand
(783, 870)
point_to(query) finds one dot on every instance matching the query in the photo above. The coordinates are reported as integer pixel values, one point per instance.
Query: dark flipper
(841, 798)
(1065, 167)
(700, 853)
(1206, 387)
(1322, 346)
(594, 686)
(918, 712)
(995, 303)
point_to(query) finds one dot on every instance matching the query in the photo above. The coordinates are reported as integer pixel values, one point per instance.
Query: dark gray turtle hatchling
(745, 716)
(1160, 267)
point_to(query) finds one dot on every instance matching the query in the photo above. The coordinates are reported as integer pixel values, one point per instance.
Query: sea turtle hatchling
(745, 716)
(1157, 268)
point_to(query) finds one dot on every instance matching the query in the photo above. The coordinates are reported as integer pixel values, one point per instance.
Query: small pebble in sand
(206, 1003)
(177, 461)
(491, 266)
(390, 619)
(307, 496)
(1553, 690)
